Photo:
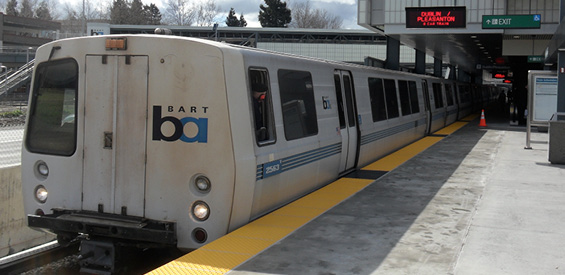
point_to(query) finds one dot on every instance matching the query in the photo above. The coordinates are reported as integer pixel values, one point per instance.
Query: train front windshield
(52, 117)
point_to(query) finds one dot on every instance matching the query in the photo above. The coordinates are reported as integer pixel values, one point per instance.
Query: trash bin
(556, 138)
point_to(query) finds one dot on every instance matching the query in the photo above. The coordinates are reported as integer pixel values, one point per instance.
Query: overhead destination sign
(522, 21)
(436, 17)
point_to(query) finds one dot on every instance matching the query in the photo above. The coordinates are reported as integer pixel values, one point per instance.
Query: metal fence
(12, 120)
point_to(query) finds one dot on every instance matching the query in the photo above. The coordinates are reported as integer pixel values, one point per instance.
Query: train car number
(272, 168)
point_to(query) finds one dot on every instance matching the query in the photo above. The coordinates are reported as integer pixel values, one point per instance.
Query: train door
(427, 106)
(347, 120)
(115, 123)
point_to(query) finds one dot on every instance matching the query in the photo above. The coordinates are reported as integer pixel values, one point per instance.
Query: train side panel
(390, 129)
(242, 128)
(64, 188)
(185, 91)
(302, 156)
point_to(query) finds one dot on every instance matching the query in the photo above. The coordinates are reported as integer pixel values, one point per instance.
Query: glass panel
(404, 97)
(337, 81)
(262, 106)
(349, 100)
(449, 94)
(438, 96)
(391, 99)
(52, 125)
(377, 95)
(414, 97)
(297, 100)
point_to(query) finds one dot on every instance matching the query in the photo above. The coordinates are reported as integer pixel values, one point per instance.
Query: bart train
(150, 140)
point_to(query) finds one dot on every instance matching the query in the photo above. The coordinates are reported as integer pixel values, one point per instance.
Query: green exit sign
(536, 59)
(527, 21)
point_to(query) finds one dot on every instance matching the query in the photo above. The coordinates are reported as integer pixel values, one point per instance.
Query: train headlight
(200, 210)
(42, 169)
(41, 194)
(202, 184)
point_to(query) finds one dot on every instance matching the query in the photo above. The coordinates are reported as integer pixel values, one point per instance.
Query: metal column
(392, 54)
(420, 61)
(561, 81)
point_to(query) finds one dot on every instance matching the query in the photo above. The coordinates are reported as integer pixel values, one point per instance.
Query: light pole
(215, 29)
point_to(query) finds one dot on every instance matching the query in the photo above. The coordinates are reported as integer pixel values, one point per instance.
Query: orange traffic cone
(483, 122)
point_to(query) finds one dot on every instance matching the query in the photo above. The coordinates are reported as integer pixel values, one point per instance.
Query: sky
(347, 9)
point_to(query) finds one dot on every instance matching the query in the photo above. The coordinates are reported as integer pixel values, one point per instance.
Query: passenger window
(414, 103)
(449, 94)
(262, 106)
(438, 97)
(391, 99)
(349, 100)
(377, 95)
(298, 105)
(337, 81)
(404, 97)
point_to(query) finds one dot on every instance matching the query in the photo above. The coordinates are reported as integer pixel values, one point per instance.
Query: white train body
(117, 139)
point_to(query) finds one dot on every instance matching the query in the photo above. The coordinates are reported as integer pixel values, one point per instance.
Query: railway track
(36, 257)
(51, 258)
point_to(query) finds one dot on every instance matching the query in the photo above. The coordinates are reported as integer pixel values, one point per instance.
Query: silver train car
(150, 141)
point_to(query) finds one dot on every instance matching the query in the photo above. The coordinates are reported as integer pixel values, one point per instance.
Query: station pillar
(437, 67)
(420, 67)
(392, 54)
(561, 81)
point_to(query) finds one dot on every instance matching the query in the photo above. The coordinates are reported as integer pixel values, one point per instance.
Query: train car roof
(226, 46)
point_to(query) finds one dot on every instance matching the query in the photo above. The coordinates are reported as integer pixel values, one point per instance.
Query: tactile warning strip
(229, 251)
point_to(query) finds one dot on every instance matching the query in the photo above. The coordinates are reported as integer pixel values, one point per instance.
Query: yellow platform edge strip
(235, 248)
(451, 128)
(397, 158)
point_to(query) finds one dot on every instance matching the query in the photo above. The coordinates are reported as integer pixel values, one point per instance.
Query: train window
(262, 106)
(438, 97)
(404, 97)
(52, 127)
(337, 81)
(349, 100)
(391, 98)
(298, 105)
(413, 88)
(449, 94)
(377, 95)
(465, 94)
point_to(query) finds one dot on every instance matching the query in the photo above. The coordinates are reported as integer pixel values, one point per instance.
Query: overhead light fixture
(516, 37)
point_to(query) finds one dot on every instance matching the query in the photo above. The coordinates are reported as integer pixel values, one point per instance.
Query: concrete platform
(474, 202)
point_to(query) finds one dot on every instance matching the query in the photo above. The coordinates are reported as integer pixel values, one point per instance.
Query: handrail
(19, 76)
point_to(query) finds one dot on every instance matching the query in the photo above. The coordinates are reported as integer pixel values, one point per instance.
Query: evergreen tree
(119, 12)
(26, 10)
(43, 12)
(12, 7)
(231, 20)
(136, 13)
(152, 14)
(275, 14)
(242, 22)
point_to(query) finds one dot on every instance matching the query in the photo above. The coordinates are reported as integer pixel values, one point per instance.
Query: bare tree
(179, 12)
(305, 16)
(207, 11)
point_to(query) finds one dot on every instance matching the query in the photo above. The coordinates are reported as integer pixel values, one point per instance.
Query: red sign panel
(436, 17)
